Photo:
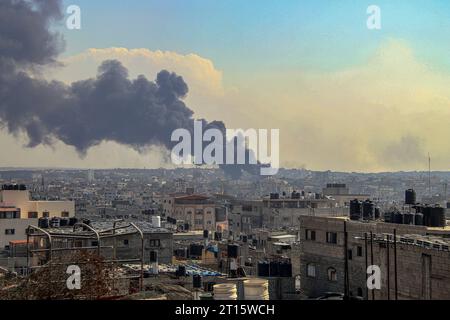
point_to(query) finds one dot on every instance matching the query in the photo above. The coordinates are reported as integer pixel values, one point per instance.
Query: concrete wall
(422, 273)
(19, 225)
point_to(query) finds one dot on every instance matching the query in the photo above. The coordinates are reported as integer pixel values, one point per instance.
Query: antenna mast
(429, 174)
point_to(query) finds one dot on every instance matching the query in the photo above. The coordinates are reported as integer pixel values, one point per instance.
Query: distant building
(192, 212)
(245, 216)
(341, 194)
(285, 212)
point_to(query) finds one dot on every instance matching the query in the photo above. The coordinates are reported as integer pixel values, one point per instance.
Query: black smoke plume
(111, 107)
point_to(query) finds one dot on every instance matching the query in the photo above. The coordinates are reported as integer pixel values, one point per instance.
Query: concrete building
(341, 194)
(196, 211)
(12, 227)
(20, 198)
(422, 270)
(245, 216)
(17, 212)
(285, 212)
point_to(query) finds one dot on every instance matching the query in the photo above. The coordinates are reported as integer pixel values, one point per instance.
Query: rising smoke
(111, 107)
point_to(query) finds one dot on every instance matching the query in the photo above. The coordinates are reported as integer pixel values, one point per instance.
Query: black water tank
(377, 213)
(368, 209)
(55, 222)
(197, 281)
(408, 218)
(63, 222)
(72, 221)
(418, 219)
(195, 250)
(398, 217)
(181, 271)
(410, 197)
(153, 256)
(233, 251)
(286, 269)
(438, 217)
(389, 217)
(263, 269)
(274, 269)
(355, 209)
(43, 223)
(426, 211)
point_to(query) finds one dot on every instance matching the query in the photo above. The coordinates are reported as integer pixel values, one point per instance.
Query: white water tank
(225, 291)
(256, 289)
(156, 221)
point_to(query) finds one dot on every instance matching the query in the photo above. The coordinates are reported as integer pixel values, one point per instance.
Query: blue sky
(243, 36)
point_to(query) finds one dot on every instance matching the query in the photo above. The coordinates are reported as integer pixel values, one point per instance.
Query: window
(311, 270)
(359, 251)
(10, 215)
(154, 243)
(32, 215)
(349, 254)
(65, 214)
(45, 214)
(332, 237)
(125, 242)
(10, 231)
(332, 274)
(310, 235)
(94, 243)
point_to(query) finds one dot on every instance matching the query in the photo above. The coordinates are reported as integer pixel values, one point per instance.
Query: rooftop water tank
(156, 221)
(256, 289)
(355, 209)
(225, 291)
(410, 197)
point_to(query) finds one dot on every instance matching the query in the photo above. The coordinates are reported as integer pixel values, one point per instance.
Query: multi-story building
(196, 212)
(245, 216)
(334, 246)
(341, 194)
(19, 197)
(285, 212)
(17, 212)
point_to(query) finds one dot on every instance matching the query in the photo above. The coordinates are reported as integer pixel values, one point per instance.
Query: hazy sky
(344, 97)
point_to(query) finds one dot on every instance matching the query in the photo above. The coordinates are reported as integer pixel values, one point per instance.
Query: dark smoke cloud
(111, 107)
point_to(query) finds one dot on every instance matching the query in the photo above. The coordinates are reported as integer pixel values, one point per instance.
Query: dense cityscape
(298, 235)
(224, 159)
